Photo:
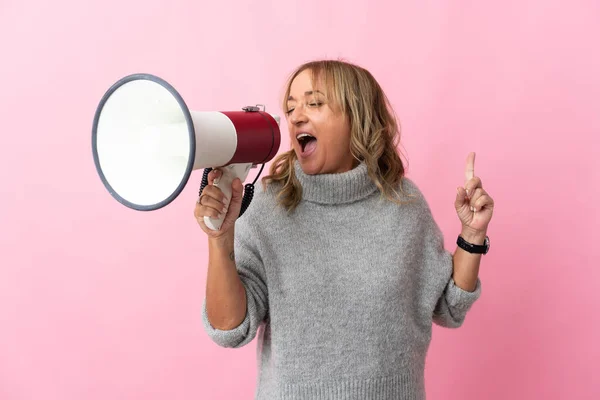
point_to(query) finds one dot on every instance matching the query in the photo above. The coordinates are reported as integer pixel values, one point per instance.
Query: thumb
(235, 204)
(236, 190)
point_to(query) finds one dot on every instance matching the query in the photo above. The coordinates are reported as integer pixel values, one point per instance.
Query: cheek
(337, 142)
(340, 134)
(290, 134)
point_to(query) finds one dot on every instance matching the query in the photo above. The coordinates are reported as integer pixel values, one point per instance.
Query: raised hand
(473, 204)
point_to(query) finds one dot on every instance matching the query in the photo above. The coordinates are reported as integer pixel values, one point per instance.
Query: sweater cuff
(462, 299)
(226, 338)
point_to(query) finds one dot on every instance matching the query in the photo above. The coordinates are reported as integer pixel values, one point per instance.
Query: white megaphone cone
(146, 143)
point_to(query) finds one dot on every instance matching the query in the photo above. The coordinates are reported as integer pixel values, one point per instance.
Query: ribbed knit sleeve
(452, 303)
(251, 271)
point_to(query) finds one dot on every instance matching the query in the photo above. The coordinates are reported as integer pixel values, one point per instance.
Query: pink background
(101, 302)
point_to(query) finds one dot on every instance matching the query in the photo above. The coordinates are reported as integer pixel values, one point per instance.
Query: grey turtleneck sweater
(342, 293)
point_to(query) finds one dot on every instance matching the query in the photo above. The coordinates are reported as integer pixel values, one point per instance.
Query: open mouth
(307, 141)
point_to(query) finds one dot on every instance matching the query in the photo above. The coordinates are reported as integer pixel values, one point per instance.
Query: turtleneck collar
(344, 187)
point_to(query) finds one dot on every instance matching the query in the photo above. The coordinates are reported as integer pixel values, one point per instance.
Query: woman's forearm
(465, 264)
(225, 293)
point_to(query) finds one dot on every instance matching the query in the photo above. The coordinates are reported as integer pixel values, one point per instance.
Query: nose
(298, 116)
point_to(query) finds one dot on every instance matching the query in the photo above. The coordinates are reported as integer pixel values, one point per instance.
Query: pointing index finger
(470, 169)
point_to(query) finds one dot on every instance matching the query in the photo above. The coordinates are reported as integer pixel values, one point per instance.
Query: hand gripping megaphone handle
(224, 182)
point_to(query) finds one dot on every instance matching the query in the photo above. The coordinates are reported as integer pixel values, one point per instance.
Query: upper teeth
(302, 135)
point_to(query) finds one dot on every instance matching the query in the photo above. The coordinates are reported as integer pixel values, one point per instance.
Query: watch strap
(473, 248)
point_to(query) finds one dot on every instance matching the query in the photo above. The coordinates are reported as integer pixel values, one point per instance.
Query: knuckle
(214, 192)
(218, 203)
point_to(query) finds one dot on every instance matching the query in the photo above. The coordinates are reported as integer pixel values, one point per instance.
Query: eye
(288, 112)
(316, 104)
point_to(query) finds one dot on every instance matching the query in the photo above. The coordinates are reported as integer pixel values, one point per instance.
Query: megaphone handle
(224, 182)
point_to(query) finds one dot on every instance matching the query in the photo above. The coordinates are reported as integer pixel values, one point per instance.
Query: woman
(338, 266)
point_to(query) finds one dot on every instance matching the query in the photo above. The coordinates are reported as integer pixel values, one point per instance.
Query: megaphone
(146, 142)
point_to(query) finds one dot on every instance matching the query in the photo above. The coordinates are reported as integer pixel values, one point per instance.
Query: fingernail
(224, 210)
(467, 190)
(226, 201)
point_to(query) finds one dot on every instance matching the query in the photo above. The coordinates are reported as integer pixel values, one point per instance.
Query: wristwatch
(474, 248)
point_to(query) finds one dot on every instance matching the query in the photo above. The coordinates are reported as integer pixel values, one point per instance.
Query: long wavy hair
(375, 132)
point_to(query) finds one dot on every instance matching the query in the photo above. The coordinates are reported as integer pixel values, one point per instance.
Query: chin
(309, 166)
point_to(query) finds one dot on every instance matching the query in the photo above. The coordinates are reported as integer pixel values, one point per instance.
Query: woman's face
(319, 133)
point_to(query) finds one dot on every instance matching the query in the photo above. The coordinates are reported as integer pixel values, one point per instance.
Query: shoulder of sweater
(411, 190)
(420, 205)
(412, 195)
(410, 185)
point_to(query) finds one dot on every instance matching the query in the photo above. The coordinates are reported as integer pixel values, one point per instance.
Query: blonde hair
(375, 133)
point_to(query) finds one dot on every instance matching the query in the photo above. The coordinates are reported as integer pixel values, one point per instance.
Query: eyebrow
(306, 94)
